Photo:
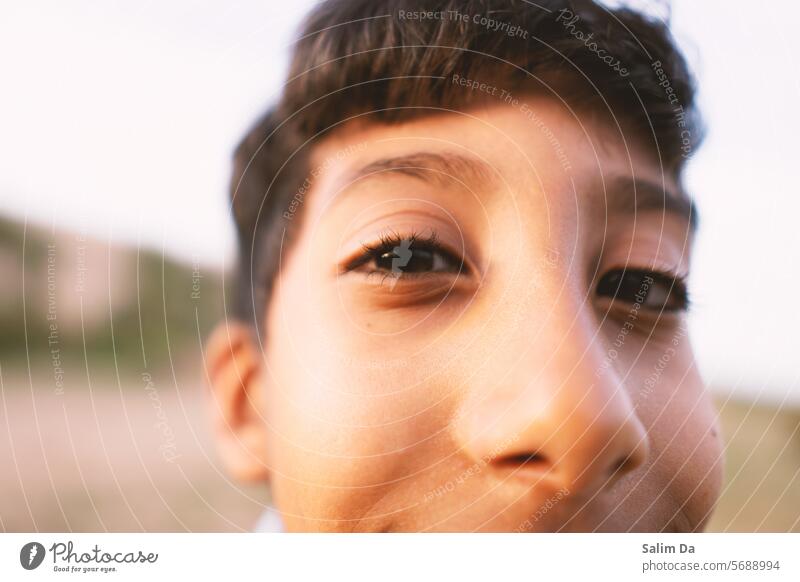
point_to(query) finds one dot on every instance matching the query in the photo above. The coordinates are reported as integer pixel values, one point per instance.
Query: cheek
(681, 422)
(349, 419)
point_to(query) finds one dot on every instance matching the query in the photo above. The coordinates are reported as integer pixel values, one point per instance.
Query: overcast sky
(119, 120)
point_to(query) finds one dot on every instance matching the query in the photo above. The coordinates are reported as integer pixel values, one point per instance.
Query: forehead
(537, 139)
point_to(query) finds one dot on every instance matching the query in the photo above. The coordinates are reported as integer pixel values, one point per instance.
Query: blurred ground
(136, 455)
(762, 474)
(128, 456)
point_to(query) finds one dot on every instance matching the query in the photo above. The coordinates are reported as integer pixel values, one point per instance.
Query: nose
(559, 418)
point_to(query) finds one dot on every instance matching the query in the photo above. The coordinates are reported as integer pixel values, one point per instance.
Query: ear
(237, 400)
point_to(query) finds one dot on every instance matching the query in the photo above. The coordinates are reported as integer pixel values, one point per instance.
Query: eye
(406, 256)
(652, 290)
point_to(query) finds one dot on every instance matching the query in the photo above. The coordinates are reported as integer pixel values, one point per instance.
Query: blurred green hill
(73, 297)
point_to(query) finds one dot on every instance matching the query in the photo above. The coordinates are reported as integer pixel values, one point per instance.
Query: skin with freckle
(468, 334)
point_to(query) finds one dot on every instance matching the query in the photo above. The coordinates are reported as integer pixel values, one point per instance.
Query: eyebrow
(630, 195)
(438, 167)
(622, 194)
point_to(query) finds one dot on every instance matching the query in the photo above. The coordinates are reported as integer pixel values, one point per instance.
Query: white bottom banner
(400, 556)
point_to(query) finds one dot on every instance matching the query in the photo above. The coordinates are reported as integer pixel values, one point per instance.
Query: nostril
(624, 465)
(523, 460)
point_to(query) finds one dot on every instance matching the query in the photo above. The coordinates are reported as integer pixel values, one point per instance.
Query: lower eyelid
(383, 277)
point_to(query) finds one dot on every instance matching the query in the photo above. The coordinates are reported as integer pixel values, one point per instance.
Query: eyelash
(610, 285)
(390, 241)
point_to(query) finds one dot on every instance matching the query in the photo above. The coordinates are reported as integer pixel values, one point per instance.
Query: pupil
(406, 261)
(628, 285)
(421, 260)
(632, 286)
(385, 261)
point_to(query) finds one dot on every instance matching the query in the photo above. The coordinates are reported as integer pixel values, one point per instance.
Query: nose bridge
(560, 414)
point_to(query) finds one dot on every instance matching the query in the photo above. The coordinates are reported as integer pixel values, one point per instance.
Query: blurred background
(117, 124)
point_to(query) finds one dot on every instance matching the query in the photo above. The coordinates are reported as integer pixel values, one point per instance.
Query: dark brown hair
(385, 61)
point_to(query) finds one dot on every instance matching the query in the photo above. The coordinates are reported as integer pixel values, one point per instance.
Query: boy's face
(451, 343)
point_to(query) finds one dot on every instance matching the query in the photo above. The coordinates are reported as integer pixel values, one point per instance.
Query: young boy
(464, 246)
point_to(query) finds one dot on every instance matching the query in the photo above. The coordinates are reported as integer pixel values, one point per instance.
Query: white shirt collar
(269, 522)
